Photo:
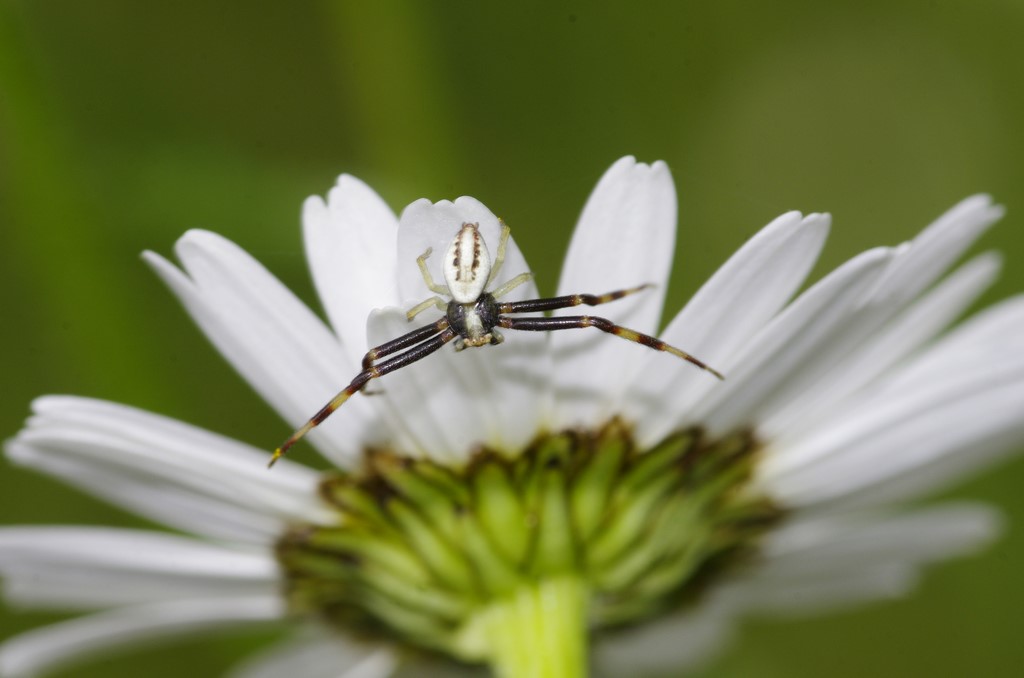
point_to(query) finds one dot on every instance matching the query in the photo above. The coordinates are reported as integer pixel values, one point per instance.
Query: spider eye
(467, 264)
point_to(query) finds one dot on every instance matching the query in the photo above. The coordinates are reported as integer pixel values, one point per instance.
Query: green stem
(540, 631)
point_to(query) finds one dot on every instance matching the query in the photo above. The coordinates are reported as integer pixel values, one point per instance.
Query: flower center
(432, 556)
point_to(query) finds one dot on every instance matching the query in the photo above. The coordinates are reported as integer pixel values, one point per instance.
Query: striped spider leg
(569, 322)
(471, 316)
(420, 343)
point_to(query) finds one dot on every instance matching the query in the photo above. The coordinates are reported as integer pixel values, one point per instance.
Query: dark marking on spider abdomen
(476, 247)
(474, 263)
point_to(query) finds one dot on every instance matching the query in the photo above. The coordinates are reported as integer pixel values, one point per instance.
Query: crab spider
(472, 316)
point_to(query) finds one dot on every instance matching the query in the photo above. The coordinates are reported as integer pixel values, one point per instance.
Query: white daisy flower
(566, 499)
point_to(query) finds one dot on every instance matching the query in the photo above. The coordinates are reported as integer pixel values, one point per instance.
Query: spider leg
(421, 261)
(573, 321)
(404, 341)
(533, 305)
(511, 285)
(424, 305)
(499, 258)
(373, 372)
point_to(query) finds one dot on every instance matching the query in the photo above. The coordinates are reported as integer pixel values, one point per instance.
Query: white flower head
(495, 500)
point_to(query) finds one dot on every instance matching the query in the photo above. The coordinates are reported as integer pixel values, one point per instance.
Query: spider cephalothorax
(472, 314)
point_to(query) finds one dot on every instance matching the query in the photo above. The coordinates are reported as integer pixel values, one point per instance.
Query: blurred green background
(124, 123)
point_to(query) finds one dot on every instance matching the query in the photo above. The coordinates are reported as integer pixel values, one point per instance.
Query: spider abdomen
(467, 265)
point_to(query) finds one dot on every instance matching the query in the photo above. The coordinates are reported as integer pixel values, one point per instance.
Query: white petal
(752, 286)
(933, 251)
(224, 458)
(817, 596)
(73, 567)
(65, 590)
(820, 545)
(319, 656)
(152, 498)
(987, 343)
(972, 414)
(978, 341)
(668, 644)
(625, 237)
(151, 450)
(878, 353)
(378, 665)
(44, 649)
(939, 472)
(274, 341)
(916, 267)
(746, 292)
(826, 562)
(790, 341)
(129, 550)
(350, 243)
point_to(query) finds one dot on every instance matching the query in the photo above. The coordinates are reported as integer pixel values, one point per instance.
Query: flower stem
(540, 631)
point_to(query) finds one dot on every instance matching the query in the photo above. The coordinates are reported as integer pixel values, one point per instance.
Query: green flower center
(581, 532)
